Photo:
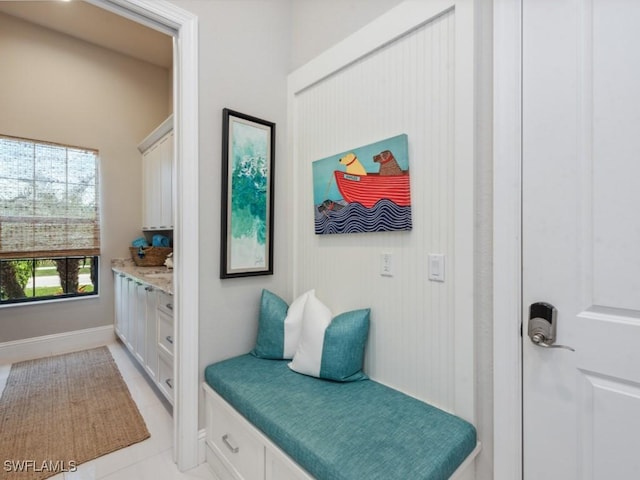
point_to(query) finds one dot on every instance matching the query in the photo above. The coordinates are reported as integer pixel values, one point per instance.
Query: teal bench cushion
(344, 431)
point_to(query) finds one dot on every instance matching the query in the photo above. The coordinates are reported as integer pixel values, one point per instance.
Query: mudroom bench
(264, 421)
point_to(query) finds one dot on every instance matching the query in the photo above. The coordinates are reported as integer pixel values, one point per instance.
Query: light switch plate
(386, 264)
(436, 267)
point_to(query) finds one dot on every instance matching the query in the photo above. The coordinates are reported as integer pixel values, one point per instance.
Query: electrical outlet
(386, 264)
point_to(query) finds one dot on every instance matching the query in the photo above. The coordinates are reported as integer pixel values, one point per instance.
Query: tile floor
(150, 459)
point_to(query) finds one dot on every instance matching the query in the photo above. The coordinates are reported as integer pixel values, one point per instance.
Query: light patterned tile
(160, 467)
(127, 366)
(142, 393)
(147, 460)
(202, 472)
(4, 375)
(84, 471)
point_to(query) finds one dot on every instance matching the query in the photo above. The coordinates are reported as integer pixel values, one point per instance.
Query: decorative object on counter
(366, 189)
(140, 242)
(248, 151)
(160, 241)
(169, 261)
(149, 256)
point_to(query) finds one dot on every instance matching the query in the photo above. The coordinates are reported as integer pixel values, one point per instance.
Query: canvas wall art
(247, 195)
(366, 189)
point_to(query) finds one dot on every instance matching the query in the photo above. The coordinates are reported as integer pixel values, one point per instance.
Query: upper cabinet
(157, 178)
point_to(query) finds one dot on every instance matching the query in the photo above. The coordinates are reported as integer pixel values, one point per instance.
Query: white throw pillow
(308, 356)
(293, 324)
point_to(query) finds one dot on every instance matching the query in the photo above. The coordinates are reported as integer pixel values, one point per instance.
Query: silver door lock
(542, 325)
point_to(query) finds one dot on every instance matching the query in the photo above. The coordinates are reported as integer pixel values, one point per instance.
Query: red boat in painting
(369, 189)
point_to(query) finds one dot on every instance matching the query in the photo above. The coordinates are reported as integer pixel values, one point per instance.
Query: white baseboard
(37, 347)
(202, 452)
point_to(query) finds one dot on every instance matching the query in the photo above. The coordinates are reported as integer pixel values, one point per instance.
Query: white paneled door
(581, 238)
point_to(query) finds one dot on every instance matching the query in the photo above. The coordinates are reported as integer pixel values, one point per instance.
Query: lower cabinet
(236, 450)
(150, 337)
(144, 323)
(165, 345)
(139, 322)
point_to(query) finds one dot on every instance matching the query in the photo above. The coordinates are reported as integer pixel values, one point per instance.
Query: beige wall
(58, 89)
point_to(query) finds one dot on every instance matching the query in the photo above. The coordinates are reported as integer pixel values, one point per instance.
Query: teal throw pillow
(331, 348)
(279, 326)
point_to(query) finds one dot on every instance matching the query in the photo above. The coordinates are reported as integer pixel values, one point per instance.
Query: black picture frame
(248, 167)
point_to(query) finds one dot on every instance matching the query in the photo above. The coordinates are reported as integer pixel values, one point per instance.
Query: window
(49, 220)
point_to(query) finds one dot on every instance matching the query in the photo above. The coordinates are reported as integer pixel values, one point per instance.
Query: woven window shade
(49, 200)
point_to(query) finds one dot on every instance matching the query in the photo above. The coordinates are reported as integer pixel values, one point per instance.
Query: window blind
(49, 199)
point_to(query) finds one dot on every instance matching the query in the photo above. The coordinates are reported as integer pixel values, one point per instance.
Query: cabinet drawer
(165, 331)
(165, 377)
(165, 303)
(243, 450)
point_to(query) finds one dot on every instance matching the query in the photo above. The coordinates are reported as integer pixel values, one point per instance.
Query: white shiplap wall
(407, 85)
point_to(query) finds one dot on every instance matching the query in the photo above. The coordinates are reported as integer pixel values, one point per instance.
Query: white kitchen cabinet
(165, 343)
(157, 178)
(117, 307)
(130, 330)
(144, 323)
(165, 375)
(140, 321)
(151, 345)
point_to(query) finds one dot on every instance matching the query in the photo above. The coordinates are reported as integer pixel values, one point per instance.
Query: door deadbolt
(543, 319)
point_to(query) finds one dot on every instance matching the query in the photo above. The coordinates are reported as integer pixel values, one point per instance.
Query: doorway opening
(183, 26)
(165, 17)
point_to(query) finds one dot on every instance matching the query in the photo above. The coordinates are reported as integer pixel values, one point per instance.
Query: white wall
(59, 89)
(483, 255)
(320, 24)
(406, 87)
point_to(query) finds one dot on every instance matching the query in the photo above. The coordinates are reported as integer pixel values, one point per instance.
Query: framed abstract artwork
(248, 149)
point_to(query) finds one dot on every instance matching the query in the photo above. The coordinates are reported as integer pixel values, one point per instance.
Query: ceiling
(96, 25)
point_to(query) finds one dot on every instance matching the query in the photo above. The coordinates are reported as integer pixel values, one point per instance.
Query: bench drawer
(239, 446)
(280, 467)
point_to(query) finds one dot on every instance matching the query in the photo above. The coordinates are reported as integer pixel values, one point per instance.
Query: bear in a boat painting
(365, 189)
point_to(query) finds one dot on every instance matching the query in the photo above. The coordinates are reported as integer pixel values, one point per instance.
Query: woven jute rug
(58, 412)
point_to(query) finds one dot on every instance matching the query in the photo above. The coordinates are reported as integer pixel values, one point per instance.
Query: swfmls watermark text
(40, 466)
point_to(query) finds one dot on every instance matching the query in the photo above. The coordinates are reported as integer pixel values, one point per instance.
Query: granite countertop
(158, 277)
